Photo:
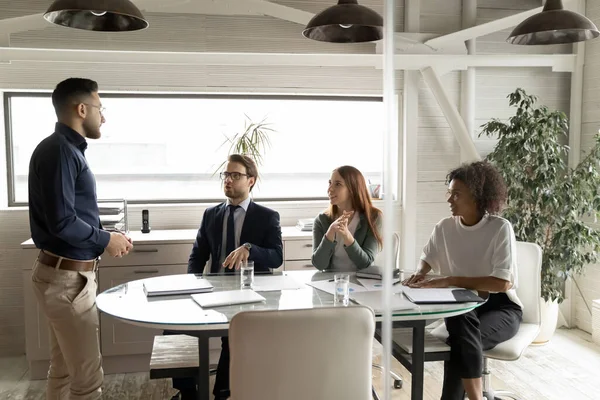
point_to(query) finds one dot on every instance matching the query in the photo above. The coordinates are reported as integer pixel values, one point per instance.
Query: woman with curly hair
(346, 237)
(473, 249)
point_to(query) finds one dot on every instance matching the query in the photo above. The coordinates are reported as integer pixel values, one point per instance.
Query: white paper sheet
(275, 283)
(371, 284)
(329, 287)
(375, 284)
(374, 300)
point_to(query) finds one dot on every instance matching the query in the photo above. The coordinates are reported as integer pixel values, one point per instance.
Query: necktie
(230, 244)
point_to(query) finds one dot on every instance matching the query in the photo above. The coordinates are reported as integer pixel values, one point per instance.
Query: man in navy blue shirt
(65, 226)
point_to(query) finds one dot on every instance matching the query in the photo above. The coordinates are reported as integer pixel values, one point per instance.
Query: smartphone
(145, 221)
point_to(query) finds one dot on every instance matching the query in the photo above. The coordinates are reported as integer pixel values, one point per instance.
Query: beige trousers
(68, 299)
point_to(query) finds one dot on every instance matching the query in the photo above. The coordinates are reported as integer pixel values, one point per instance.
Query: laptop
(440, 296)
(176, 284)
(227, 298)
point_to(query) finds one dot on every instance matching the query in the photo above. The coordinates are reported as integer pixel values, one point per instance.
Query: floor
(565, 368)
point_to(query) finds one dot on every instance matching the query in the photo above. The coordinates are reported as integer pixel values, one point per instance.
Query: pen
(397, 282)
(331, 280)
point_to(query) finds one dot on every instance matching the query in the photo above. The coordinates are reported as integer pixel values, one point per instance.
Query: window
(166, 147)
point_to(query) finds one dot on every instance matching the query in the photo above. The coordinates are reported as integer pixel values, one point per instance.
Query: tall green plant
(253, 141)
(548, 202)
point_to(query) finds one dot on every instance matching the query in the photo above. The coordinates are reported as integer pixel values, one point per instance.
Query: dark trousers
(470, 334)
(221, 388)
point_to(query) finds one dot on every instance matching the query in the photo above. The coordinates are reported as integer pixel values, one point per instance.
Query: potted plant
(548, 203)
(253, 141)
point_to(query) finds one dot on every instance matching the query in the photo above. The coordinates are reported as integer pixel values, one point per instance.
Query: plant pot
(549, 318)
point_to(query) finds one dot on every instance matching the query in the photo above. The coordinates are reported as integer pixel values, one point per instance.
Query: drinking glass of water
(247, 275)
(342, 289)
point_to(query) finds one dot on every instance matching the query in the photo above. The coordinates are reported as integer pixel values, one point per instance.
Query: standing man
(231, 233)
(65, 226)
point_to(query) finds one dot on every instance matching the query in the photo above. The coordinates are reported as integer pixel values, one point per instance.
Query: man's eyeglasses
(236, 176)
(102, 109)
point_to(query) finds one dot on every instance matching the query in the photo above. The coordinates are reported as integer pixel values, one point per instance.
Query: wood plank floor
(566, 368)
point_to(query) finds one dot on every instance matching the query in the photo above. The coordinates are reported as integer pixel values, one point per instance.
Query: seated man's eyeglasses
(236, 176)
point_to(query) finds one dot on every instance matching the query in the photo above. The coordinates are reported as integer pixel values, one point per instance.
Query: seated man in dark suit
(231, 233)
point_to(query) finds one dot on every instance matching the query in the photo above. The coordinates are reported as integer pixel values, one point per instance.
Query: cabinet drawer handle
(148, 271)
(308, 266)
(145, 250)
(307, 245)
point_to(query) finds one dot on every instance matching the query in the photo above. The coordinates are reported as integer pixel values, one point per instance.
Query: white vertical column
(467, 78)
(3, 162)
(410, 128)
(567, 308)
(576, 106)
(390, 165)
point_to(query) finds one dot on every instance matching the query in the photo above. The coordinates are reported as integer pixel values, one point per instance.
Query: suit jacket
(261, 229)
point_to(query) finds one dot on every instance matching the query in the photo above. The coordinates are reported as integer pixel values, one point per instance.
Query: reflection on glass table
(129, 303)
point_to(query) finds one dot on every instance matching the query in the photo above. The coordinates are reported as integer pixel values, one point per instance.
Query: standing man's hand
(237, 258)
(127, 237)
(119, 245)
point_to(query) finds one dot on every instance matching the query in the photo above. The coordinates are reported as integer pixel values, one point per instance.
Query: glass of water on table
(341, 294)
(247, 275)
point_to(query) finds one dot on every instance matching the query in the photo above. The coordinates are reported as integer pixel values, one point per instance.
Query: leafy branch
(253, 141)
(548, 202)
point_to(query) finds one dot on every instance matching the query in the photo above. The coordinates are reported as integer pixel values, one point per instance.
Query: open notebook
(176, 284)
(227, 298)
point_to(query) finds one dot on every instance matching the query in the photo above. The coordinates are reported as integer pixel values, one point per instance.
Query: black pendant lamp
(97, 15)
(554, 25)
(346, 22)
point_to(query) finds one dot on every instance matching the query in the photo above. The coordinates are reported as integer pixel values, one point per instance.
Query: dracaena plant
(253, 141)
(549, 203)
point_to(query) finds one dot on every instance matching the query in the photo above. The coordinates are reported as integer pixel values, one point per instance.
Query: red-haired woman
(347, 236)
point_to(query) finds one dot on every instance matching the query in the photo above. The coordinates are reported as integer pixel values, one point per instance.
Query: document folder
(440, 296)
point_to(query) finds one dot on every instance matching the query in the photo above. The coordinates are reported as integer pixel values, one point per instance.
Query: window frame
(9, 95)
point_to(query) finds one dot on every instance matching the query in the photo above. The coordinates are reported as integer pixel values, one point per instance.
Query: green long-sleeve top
(362, 252)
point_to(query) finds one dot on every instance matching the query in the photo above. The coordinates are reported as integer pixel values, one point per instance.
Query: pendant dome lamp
(346, 22)
(554, 25)
(96, 15)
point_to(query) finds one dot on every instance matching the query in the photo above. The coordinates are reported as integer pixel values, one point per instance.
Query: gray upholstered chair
(529, 264)
(318, 354)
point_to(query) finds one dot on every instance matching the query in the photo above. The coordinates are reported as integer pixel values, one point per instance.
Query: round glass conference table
(129, 303)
